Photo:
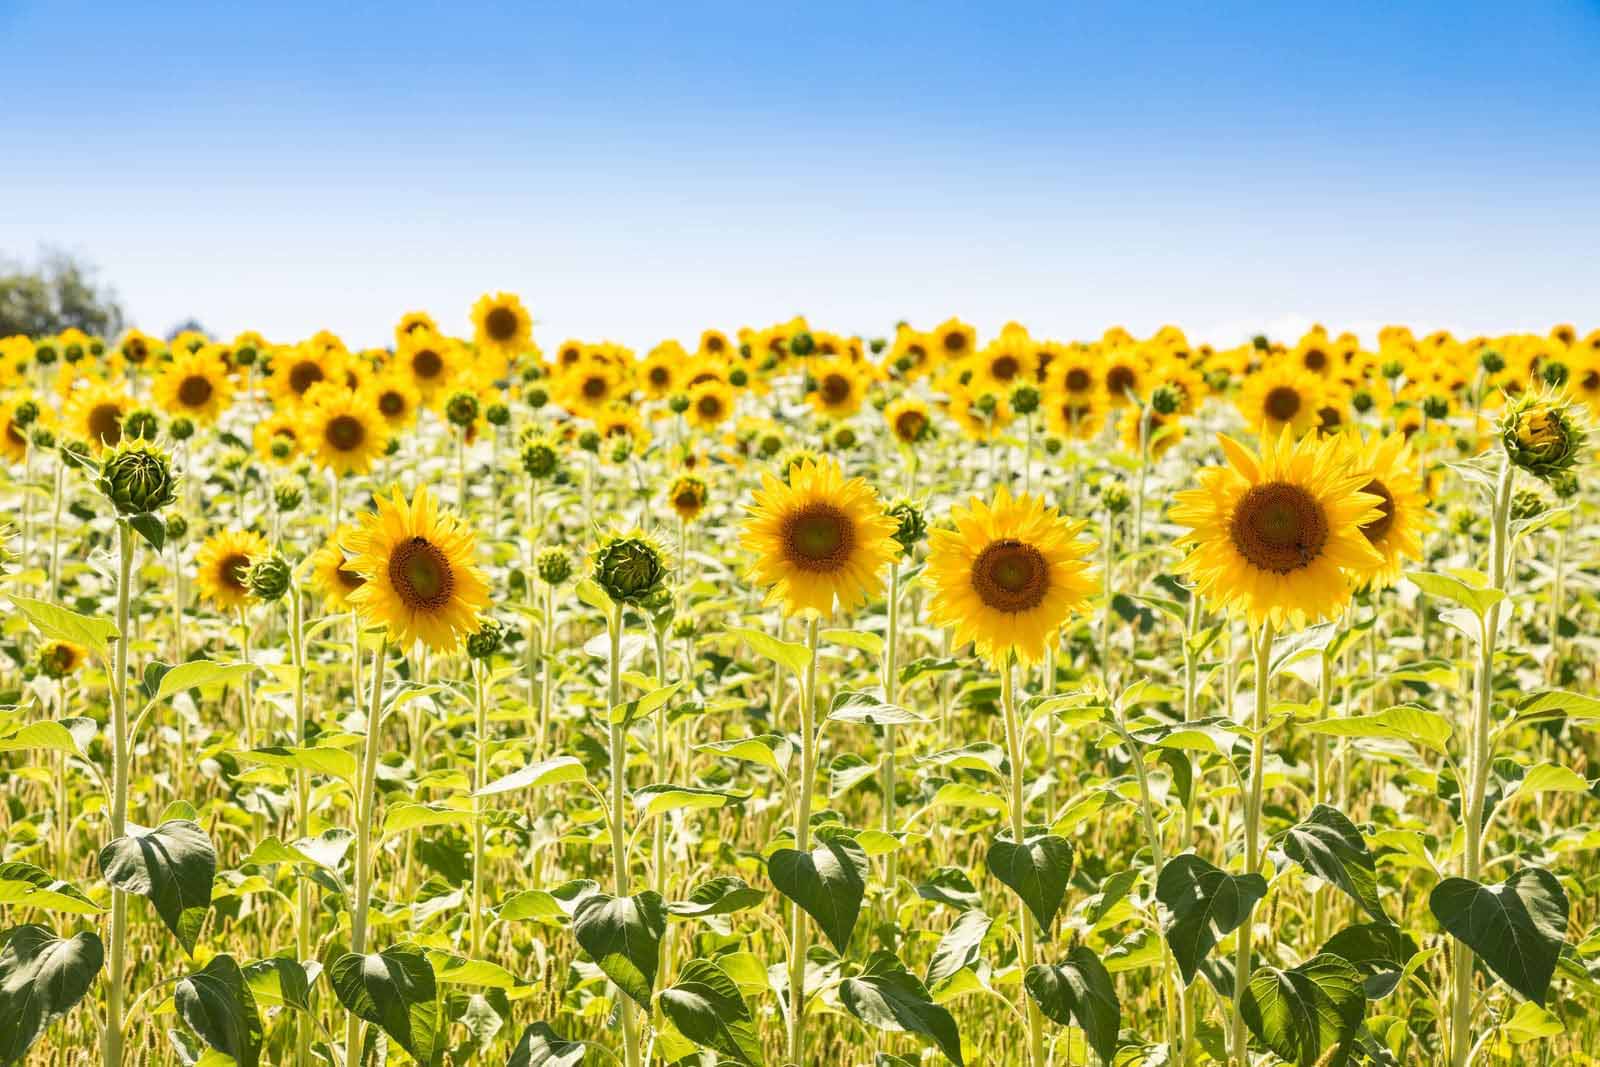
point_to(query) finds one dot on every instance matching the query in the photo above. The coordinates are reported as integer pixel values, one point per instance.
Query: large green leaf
(42, 977)
(217, 1004)
(865, 708)
(1204, 905)
(1516, 927)
(1036, 870)
(43, 735)
(794, 656)
(707, 1008)
(624, 934)
(172, 865)
(63, 625)
(888, 997)
(1380, 951)
(543, 1047)
(1329, 846)
(199, 673)
(828, 883)
(960, 946)
(1079, 989)
(29, 886)
(1310, 1014)
(546, 772)
(395, 990)
(280, 981)
(718, 896)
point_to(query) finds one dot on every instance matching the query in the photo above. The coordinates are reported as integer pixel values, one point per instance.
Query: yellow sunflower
(331, 576)
(421, 582)
(1076, 416)
(196, 385)
(413, 322)
(61, 659)
(909, 420)
(138, 349)
(714, 344)
(710, 404)
(297, 369)
(1390, 471)
(1008, 575)
(1162, 431)
(589, 385)
(94, 413)
(1126, 370)
(1007, 362)
(501, 325)
(1281, 396)
(1275, 534)
(343, 431)
(431, 360)
(280, 426)
(839, 390)
(223, 562)
(954, 340)
(395, 398)
(662, 368)
(818, 539)
(982, 417)
(1074, 373)
(687, 495)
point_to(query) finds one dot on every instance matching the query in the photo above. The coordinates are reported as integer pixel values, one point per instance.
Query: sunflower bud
(1166, 400)
(42, 437)
(630, 569)
(497, 414)
(462, 409)
(97, 347)
(269, 578)
(24, 413)
(45, 354)
(1541, 435)
(1361, 401)
(589, 441)
(877, 345)
(177, 526)
(141, 424)
(1053, 446)
(73, 353)
(1392, 369)
(554, 565)
(1526, 504)
(537, 397)
(738, 378)
(1564, 485)
(244, 355)
(138, 479)
(287, 494)
(1024, 400)
(1436, 407)
(844, 438)
(1554, 373)
(913, 526)
(181, 428)
(1492, 361)
(1115, 497)
(678, 402)
(282, 448)
(685, 628)
(769, 445)
(483, 644)
(540, 459)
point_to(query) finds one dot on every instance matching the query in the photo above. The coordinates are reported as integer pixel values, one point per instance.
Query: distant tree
(59, 291)
(187, 324)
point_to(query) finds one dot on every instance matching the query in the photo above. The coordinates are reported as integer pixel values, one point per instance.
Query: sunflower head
(1007, 574)
(818, 538)
(343, 430)
(911, 526)
(909, 420)
(688, 496)
(331, 576)
(631, 568)
(223, 566)
(421, 581)
(1542, 434)
(138, 479)
(61, 659)
(554, 565)
(269, 578)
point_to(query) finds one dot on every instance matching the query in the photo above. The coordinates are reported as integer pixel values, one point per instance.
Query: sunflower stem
(802, 843)
(1252, 830)
(302, 789)
(111, 1038)
(1016, 754)
(480, 777)
(890, 691)
(619, 837)
(366, 800)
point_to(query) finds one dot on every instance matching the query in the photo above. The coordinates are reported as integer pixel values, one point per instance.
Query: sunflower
(431, 360)
(1126, 369)
(1076, 416)
(296, 369)
(95, 413)
(981, 417)
(954, 340)
(1275, 534)
(714, 344)
(911, 355)
(710, 404)
(909, 420)
(839, 388)
(589, 385)
(1162, 431)
(1008, 575)
(414, 322)
(223, 562)
(344, 432)
(61, 659)
(280, 426)
(421, 581)
(1073, 373)
(196, 385)
(331, 576)
(394, 396)
(1390, 470)
(1007, 362)
(622, 420)
(1315, 355)
(661, 369)
(137, 349)
(14, 439)
(818, 538)
(688, 496)
(1281, 396)
(501, 325)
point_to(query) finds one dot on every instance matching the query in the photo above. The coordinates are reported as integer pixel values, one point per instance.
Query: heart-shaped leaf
(624, 934)
(960, 945)
(1036, 870)
(828, 883)
(1079, 989)
(888, 997)
(395, 990)
(707, 1008)
(217, 1004)
(1310, 1014)
(718, 896)
(1329, 846)
(1204, 905)
(173, 866)
(543, 1047)
(1516, 927)
(28, 886)
(42, 977)
(1380, 951)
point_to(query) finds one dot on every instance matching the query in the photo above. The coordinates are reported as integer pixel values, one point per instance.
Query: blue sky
(643, 171)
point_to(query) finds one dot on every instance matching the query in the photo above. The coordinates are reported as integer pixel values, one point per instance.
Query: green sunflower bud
(497, 415)
(281, 448)
(629, 568)
(45, 354)
(1166, 399)
(287, 494)
(244, 355)
(738, 378)
(554, 566)
(1361, 401)
(138, 479)
(1436, 407)
(1392, 369)
(1492, 361)
(462, 409)
(1554, 373)
(1542, 435)
(73, 353)
(141, 424)
(181, 428)
(269, 578)
(877, 345)
(589, 441)
(42, 437)
(844, 438)
(1115, 497)
(177, 526)
(540, 458)
(1025, 400)
(802, 344)
(486, 641)
(1526, 504)
(912, 528)
(24, 414)
(678, 402)
(538, 397)
(770, 445)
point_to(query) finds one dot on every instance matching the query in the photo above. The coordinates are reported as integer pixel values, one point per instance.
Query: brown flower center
(105, 424)
(421, 575)
(715, 344)
(135, 351)
(709, 406)
(1279, 527)
(908, 425)
(194, 391)
(304, 375)
(1283, 402)
(500, 324)
(1011, 576)
(1078, 380)
(1378, 528)
(660, 377)
(391, 404)
(426, 363)
(955, 341)
(345, 433)
(1120, 379)
(818, 538)
(594, 388)
(232, 570)
(1005, 368)
(835, 389)
(1315, 359)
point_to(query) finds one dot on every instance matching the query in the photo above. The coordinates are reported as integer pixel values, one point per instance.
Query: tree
(58, 292)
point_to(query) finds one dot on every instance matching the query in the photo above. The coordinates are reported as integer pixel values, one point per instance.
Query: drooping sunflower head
(195, 385)
(818, 538)
(223, 565)
(501, 324)
(421, 581)
(331, 575)
(1282, 396)
(1007, 574)
(343, 431)
(1396, 532)
(1279, 535)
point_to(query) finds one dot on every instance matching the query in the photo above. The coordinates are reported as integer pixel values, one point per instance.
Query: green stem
(302, 789)
(619, 837)
(366, 801)
(1252, 832)
(890, 692)
(802, 843)
(480, 777)
(111, 1039)
(1016, 754)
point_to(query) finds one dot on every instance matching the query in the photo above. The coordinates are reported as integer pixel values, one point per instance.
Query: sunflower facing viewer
(421, 581)
(1008, 575)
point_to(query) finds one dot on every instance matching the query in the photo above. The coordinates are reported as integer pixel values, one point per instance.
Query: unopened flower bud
(138, 479)
(629, 568)
(269, 578)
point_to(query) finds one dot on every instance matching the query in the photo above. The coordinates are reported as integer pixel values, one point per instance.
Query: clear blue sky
(643, 171)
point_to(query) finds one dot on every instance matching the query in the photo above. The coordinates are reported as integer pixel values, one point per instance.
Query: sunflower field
(789, 697)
